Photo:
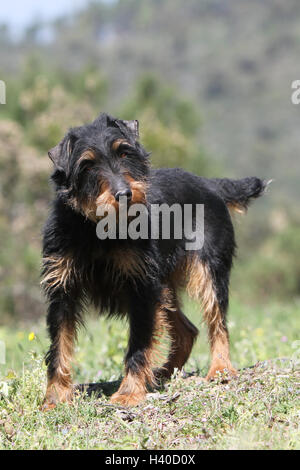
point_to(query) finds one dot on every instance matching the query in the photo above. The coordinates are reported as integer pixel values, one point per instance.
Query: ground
(258, 410)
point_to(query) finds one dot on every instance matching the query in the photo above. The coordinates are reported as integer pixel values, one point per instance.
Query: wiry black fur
(69, 233)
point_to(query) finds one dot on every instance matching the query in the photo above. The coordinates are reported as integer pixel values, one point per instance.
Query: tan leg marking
(219, 344)
(133, 388)
(200, 286)
(59, 387)
(181, 331)
(138, 189)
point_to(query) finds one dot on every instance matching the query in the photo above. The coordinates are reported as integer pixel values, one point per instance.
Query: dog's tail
(238, 194)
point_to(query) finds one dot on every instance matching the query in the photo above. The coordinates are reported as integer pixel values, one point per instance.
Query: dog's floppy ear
(55, 154)
(60, 154)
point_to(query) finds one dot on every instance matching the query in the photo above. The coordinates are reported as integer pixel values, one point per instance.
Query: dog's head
(99, 163)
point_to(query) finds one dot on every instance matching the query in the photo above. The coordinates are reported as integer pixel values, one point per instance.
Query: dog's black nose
(126, 193)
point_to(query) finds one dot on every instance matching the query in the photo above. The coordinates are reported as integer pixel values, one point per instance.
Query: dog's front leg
(61, 321)
(139, 358)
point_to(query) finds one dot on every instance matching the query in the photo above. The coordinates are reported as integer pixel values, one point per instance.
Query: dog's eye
(124, 150)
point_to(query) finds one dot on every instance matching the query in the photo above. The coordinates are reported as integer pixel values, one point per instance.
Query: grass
(259, 410)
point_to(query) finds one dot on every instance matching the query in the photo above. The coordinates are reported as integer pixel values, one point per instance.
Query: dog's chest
(125, 263)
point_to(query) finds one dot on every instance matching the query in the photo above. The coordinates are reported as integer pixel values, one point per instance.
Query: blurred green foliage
(273, 271)
(133, 59)
(170, 125)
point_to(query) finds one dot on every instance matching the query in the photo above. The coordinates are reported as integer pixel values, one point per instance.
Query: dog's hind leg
(211, 287)
(182, 334)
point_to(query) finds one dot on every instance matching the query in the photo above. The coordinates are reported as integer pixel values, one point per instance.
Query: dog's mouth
(134, 193)
(107, 203)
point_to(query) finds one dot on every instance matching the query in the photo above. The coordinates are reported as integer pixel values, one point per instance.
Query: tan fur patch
(220, 354)
(87, 155)
(132, 391)
(59, 387)
(65, 348)
(127, 263)
(235, 207)
(59, 272)
(106, 199)
(138, 189)
(196, 276)
(182, 334)
(87, 208)
(200, 287)
(161, 340)
(116, 144)
(134, 386)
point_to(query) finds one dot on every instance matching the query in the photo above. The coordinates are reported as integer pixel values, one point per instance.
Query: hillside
(236, 60)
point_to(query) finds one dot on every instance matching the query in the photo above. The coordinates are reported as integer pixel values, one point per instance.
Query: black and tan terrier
(94, 165)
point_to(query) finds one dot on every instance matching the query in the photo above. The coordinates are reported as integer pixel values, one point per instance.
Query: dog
(96, 165)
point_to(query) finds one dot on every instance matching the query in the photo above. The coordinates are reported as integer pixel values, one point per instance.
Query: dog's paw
(221, 372)
(48, 406)
(161, 374)
(56, 394)
(127, 400)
